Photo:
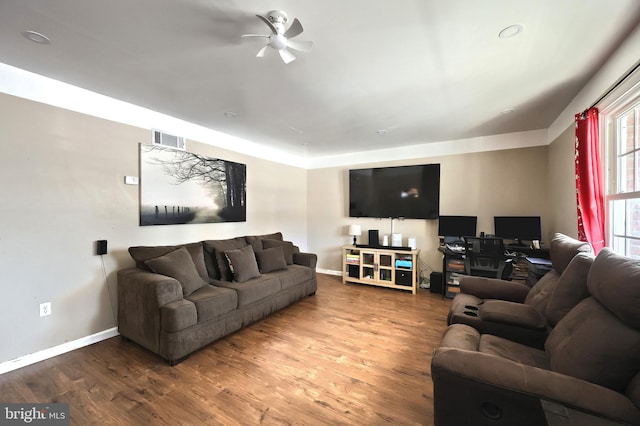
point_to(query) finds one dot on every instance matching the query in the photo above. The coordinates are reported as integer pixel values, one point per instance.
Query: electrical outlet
(45, 309)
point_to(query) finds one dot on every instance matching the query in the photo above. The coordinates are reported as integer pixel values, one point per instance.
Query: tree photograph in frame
(180, 187)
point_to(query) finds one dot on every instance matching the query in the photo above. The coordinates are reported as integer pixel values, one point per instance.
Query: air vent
(170, 141)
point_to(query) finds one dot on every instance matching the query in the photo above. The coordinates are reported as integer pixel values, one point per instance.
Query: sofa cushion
(216, 261)
(540, 293)
(292, 275)
(242, 264)
(271, 259)
(253, 290)
(211, 301)
(178, 264)
(591, 344)
(287, 247)
(563, 248)
(516, 352)
(143, 253)
(570, 289)
(614, 281)
(256, 240)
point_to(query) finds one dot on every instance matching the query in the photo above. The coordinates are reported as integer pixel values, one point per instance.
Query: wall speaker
(374, 238)
(101, 247)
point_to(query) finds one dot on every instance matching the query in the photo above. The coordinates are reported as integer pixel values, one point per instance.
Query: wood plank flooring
(350, 355)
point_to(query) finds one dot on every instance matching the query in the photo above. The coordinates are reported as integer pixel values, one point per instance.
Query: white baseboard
(329, 272)
(29, 359)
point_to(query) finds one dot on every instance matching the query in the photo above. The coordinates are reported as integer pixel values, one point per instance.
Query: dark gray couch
(180, 298)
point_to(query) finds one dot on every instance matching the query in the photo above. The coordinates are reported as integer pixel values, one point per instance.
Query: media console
(391, 267)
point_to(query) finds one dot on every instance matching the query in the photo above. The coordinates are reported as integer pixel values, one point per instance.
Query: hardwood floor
(351, 355)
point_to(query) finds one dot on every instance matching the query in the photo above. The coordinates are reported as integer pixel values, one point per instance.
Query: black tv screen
(411, 192)
(518, 228)
(457, 226)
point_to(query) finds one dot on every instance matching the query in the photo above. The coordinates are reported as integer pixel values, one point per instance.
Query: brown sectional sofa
(587, 373)
(180, 298)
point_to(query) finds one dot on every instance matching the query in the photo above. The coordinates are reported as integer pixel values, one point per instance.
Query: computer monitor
(457, 226)
(518, 228)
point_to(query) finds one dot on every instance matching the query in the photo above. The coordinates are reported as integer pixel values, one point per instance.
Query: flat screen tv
(410, 192)
(457, 226)
(518, 228)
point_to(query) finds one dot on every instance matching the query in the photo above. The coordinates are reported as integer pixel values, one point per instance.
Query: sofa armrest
(487, 385)
(516, 314)
(305, 259)
(141, 294)
(494, 288)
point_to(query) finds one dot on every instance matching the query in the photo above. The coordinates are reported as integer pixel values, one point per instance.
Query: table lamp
(355, 231)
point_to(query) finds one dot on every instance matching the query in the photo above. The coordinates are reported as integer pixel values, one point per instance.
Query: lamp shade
(355, 230)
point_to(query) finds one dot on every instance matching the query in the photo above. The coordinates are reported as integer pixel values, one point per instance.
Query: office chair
(484, 257)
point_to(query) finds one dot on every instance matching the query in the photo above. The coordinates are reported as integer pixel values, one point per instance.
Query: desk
(453, 267)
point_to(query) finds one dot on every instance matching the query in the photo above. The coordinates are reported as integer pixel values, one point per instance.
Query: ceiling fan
(279, 39)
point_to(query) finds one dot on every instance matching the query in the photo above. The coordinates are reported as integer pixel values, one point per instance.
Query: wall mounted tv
(410, 192)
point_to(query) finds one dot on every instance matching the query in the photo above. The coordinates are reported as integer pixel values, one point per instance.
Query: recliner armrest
(305, 259)
(494, 288)
(487, 385)
(517, 314)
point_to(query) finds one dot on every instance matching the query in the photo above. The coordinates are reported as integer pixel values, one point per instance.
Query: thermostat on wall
(131, 180)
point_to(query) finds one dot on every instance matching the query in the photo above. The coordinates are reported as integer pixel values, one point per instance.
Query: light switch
(131, 180)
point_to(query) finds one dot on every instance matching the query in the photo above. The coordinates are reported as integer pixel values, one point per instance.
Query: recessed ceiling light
(511, 31)
(230, 114)
(36, 37)
(382, 131)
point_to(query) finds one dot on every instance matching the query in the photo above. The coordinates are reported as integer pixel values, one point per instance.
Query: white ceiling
(421, 70)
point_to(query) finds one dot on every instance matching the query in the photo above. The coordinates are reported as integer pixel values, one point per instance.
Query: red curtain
(589, 186)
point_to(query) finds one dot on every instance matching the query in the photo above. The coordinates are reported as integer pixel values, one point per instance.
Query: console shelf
(382, 267)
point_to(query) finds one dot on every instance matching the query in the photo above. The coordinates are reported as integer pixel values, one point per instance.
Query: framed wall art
(180, 187)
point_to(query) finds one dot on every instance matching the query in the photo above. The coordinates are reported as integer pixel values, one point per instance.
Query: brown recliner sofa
(587, 374)
(526, 314)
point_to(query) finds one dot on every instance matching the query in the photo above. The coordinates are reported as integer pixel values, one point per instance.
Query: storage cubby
(381, 267)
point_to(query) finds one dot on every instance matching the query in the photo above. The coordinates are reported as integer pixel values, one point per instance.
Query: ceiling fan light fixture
(511, 31)
(278, 41)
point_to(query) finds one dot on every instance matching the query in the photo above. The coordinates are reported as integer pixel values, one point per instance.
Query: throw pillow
(242, 263)
(217, 262)
(271, 259)
(287, 247)
(178, 264)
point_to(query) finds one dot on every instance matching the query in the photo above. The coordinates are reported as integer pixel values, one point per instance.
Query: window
(622, 143)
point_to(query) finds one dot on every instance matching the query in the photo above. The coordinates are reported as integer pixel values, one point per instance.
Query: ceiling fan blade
(286, 56)
(302, 46)
(262, 51)
(269, 24)
(254, 35)
(294, 29)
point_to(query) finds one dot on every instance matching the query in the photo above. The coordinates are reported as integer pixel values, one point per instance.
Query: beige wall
(561, 188)
(509, 182)
(63, 188)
